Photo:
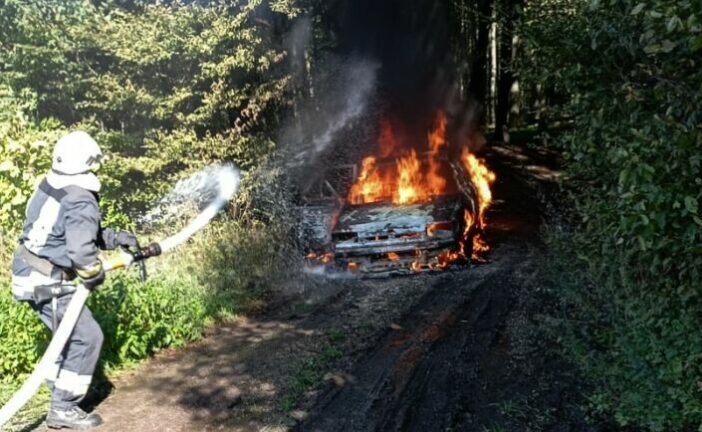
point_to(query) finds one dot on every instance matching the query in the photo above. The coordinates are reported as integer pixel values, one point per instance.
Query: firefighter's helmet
(76, 153)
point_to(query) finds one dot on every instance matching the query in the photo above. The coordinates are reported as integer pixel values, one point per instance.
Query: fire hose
(228, 182)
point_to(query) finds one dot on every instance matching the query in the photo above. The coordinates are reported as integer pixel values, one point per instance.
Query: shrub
(25, 152)
(635, 177)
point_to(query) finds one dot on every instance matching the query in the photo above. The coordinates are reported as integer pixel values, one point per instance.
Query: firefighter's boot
(72, 418)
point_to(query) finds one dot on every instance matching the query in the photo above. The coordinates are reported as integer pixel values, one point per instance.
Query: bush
(139, 319)
(634, 168)
(25, 152)
(22, 339)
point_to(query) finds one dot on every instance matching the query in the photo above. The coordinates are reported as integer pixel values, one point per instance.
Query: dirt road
(459, 350)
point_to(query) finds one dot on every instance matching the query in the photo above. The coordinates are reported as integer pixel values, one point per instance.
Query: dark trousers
(74, 369)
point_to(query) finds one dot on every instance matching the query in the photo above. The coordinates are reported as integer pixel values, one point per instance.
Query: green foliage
(25, 153)
(22, 336)
(141, 318)
(156, 66)
(225, 270)
(166, 88)
(629, 72)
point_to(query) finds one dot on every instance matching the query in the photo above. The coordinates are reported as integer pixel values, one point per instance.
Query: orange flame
(327, 258)
(369, 187)
(412, 180)
(406, 182)
(479, 248)
(482, 178)
(469, 222)
(437, 140)
(410, 187)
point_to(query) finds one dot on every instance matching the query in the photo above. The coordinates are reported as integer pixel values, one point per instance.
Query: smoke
(327, 272)
(296, 44)
(419, 74)
(343, 93)
(361, 79)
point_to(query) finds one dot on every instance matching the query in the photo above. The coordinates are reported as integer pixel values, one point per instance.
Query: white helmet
(76, 153)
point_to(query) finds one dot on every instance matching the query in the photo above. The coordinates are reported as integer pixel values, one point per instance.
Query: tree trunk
(505, 76)
(478, 87)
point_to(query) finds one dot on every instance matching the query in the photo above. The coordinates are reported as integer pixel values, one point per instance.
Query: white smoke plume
(342, 96)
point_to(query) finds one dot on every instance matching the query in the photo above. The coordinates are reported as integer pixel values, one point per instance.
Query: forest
(612, 88)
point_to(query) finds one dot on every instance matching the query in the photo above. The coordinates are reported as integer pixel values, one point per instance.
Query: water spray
(225, 178)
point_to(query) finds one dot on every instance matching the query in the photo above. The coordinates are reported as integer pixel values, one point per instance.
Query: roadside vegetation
(309, 374)
(623, 82)
(628, 262)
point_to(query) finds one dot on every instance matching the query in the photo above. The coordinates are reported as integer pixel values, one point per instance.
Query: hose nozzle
(152, 250)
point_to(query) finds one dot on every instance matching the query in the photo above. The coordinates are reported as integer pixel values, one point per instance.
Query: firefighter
(57, 248)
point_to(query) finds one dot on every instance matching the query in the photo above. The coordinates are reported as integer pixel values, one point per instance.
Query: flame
(326, 258)
(431, 230)
(437, 137)
(436, 183)
(369, 187)
(410, 187)
(479, 248)
(412, 179)
(482, 178)
(468, 217)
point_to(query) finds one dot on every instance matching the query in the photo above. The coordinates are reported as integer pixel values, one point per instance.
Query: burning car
(406, 213)
(382, 238)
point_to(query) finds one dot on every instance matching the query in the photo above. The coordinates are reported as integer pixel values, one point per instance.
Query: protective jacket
(61, 233)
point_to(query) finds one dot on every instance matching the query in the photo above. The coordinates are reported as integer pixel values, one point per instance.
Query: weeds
(309, 374)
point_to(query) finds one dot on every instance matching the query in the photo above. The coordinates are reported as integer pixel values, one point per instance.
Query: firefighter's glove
(111, 239)
(92, 276)
(125, 238)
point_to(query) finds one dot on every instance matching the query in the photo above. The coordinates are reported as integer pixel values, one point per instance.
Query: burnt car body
(382, 238)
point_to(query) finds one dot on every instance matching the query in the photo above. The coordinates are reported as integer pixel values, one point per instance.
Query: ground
(459, 350)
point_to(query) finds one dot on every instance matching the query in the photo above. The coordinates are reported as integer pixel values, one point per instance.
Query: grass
(513, 409)
(32, 414)
(309, 374)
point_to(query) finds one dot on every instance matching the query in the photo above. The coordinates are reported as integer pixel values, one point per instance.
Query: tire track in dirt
(412, 377)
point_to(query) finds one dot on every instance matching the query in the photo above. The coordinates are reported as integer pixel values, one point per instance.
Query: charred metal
(383, 239)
